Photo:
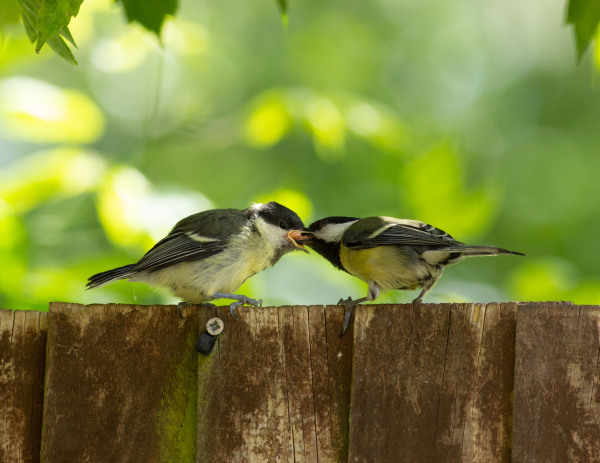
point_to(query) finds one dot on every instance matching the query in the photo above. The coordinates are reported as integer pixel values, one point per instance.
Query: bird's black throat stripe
(330, 251)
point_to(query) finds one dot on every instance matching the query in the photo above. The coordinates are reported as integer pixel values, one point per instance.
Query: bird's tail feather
(103, 278)
(480, 250)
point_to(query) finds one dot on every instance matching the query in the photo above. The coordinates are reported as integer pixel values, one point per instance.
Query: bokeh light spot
(38, 112)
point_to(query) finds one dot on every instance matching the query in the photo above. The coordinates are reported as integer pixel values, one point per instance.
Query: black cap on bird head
(334, 220)
(278, 224)
(276, 214)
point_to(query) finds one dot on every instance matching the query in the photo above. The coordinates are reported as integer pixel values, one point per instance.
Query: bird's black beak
(298, 238)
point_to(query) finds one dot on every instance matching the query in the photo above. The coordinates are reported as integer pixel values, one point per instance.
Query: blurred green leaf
(268, 122)
(584, 15)
(53, 16)
(327, 116)
(149, 13)
(436, 191)
(44, 176)
(121, 190)
(37, 112)
(283, 6)
(66, 34)
(545, 279)
(29, 15)
(61, 48)
(47, 22)
(9, 12)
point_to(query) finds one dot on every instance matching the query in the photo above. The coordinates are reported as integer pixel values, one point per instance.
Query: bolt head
(215, 326)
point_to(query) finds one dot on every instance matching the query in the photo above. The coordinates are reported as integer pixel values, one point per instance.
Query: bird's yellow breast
(388, 266)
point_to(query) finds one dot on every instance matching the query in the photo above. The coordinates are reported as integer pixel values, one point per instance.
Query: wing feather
(177, 249)
(402, 233)
(187, 243)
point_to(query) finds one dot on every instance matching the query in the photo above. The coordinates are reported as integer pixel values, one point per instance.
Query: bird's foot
(244, 301)
(346, 302)
(349, 304)
(419, 298)
(239, 300)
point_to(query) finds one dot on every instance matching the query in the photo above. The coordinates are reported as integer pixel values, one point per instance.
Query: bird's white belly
(197, 281)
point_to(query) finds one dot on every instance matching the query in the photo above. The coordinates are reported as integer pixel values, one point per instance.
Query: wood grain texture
(120, 384)
(557, 390)
(432, 382)
(423, 383)
(276, 388)
(22, 363)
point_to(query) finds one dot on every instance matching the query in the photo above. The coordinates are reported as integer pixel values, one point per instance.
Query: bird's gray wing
(194, 238)
(403, 233)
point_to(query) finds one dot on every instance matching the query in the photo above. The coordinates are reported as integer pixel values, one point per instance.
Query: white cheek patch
(270, 232)
(333, 232)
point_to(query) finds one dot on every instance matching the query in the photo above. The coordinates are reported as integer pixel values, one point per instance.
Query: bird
(210, 254)
(388, 253)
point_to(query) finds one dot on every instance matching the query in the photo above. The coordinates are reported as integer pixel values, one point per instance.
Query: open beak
(296, 237)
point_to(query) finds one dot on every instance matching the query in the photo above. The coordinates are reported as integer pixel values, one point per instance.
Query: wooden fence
(431, 383)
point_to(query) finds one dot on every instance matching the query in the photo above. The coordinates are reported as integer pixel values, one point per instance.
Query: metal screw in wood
(215, 326)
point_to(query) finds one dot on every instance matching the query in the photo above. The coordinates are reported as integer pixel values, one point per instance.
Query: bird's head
(325, 237)
(279, 225)
(328, 230)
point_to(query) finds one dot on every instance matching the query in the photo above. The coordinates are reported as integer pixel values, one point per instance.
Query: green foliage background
(472, 116)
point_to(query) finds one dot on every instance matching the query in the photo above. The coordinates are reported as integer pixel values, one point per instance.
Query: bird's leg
(419, 298)
(372, 293)
(349, 304)
(240, 300)
(182, 304)
(427, 285)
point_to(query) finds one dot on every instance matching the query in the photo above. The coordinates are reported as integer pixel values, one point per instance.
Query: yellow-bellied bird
(389, 253)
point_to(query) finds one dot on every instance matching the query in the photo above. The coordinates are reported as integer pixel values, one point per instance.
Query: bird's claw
(349, 304)
(181, 305)
(347, 317)
(232, 307)
(346, 302)
(245, 300)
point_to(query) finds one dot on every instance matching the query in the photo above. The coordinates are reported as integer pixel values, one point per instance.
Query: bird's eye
(282, 224)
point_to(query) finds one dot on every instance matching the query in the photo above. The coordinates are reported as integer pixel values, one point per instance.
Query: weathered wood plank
(22, 363)
(299, 380)
(331, 357)
(393, 396)
(557, 383)
(482, 402)
(242, 399)
(120, 384)
(429, 383)
(266, 394)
